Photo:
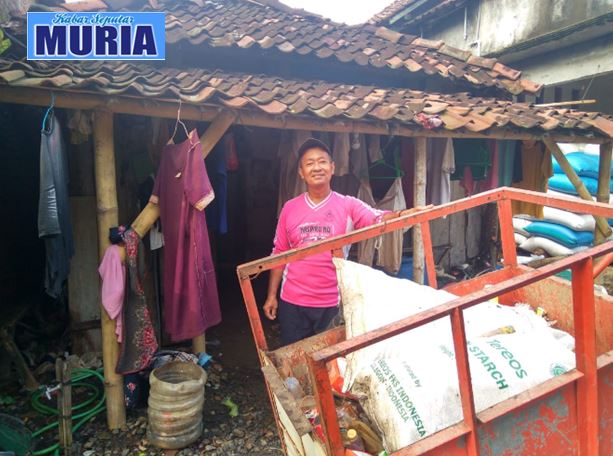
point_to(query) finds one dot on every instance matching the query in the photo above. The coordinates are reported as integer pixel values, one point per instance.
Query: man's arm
(271, 304)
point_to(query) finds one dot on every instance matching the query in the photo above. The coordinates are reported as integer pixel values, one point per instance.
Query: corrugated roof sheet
(459, 112)
(268, 26)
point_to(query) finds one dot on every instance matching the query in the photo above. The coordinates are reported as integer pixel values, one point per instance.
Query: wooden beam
(604, 182)
(151, 212)
(419, 199)
(106, 202)
(601, 223)
(165, 108)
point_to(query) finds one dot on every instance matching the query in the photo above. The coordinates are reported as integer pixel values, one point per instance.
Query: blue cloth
(561, 234)
(217, 211)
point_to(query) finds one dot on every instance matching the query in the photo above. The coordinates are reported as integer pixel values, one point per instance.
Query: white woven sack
(551, 247)
(519, 238)
(519, 223)
(577, 222)
(408, 384)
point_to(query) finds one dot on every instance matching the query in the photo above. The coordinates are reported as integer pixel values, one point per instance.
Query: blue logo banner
(96, 36)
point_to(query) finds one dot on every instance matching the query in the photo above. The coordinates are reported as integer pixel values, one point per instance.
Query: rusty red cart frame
(584, 379)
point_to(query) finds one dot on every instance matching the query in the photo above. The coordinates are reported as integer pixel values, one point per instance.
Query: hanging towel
(113, 274)
(440, 166)
(374, 148)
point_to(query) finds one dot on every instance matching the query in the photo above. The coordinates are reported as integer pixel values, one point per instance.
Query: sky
(347, 11)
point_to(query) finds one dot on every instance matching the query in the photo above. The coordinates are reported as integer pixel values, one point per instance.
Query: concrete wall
(500, 24)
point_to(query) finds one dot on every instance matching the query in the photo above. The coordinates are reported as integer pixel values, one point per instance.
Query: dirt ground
(234, 374)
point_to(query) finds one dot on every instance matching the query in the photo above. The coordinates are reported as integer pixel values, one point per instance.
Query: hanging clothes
(388, 246)
(113, 274)
(407, 163)
(471, 154)
(491, 180)
(536, 171)
(139, 344)
(290, 184)
(440, 163)
(54, 225)
(340, 154)
(374, 148)
(507, 156)
(182, 190)
(217, 211)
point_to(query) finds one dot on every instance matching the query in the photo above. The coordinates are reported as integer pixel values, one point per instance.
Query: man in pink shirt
(309, 289)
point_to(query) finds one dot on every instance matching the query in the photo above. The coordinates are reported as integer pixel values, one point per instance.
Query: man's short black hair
(313, 143)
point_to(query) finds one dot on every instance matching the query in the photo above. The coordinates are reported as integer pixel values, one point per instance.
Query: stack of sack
(562, 232)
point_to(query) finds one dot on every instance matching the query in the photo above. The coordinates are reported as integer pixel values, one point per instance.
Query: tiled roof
(266, 25)
(276, 96)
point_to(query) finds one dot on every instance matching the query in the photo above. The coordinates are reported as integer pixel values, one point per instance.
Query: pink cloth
(182, 189)
(312, 282)
(113, 274)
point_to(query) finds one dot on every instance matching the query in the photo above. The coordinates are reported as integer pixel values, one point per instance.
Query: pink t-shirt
(311, 282)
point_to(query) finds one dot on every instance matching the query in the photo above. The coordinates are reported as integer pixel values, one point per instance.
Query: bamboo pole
(64, 405)
(601, 223)
(604, 183)
(419, 199)
(106, 201)
(151, 212)
(166, 108)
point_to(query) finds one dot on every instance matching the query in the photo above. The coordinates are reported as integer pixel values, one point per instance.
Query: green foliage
(5, 43)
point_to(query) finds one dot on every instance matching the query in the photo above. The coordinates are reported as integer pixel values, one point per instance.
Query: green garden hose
(97, 399)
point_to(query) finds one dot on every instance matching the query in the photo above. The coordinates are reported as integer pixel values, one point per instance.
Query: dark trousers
(299, 322)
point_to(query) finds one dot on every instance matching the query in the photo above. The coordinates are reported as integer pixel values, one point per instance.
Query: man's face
(316, 168)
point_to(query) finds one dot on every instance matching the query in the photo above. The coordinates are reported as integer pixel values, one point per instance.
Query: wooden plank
(106, 202)
(419, 199)
(601, 223)
(64, 402)
(84, 282)
(604, 182)
(165, 108)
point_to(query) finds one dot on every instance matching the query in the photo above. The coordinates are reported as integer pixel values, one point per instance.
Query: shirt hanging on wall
(388, 246)
(182, 190)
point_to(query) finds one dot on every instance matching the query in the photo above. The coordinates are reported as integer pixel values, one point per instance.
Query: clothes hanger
(179, 121)
(49, 111)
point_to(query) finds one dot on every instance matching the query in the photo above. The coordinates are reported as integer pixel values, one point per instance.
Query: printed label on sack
(398, 396)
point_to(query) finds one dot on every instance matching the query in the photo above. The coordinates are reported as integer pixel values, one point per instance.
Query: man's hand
(270, 307)
(402, 213)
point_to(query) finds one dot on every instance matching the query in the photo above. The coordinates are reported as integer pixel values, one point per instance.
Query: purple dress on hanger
(182, 190)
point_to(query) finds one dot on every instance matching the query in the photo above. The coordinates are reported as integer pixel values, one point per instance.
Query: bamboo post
(151, 212)
(604, 183)
(601, 223)
(419, 199)
(106, 202)
(64, 405)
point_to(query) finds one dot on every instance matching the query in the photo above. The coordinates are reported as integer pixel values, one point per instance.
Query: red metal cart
(567, 415)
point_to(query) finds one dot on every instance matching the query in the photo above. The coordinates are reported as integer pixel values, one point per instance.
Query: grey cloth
(54, 208)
